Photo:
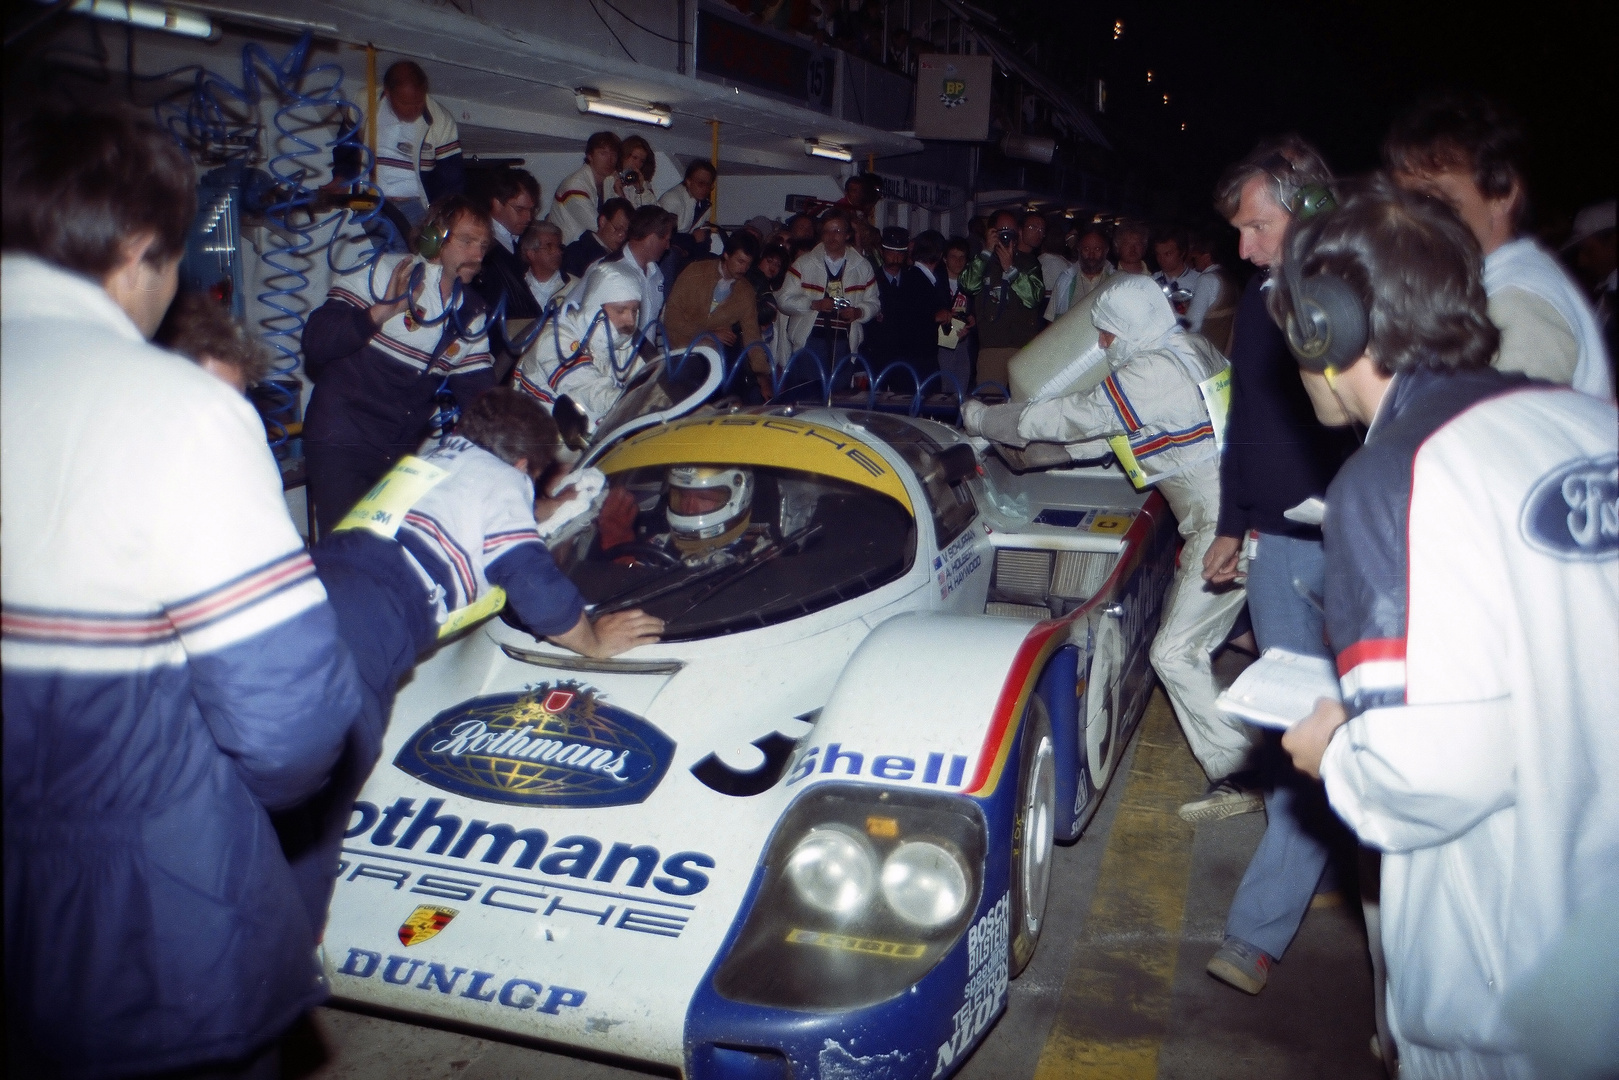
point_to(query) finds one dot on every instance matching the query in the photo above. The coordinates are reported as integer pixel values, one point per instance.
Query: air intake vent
(1023, 575)
(1016, 611)
(1081, 573)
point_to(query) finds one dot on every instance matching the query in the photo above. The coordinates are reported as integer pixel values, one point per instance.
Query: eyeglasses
(521, 208)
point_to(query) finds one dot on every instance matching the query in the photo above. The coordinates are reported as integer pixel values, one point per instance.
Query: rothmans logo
(1572, 512)
(553, 745)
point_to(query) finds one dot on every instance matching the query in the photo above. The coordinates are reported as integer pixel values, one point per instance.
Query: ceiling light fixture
(591, 100)
(830, 151)
(164, 17)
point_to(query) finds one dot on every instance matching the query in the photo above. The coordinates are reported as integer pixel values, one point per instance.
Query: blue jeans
(1285, 582)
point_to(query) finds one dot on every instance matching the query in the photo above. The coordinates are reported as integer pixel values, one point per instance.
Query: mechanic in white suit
(589, 353)
(1154, 401)
(1472, 601)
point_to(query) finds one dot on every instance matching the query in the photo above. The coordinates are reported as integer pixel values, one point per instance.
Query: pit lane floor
(1117, 989)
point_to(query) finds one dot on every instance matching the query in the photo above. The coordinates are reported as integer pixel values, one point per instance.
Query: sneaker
(1241, 965)
(1225, 798)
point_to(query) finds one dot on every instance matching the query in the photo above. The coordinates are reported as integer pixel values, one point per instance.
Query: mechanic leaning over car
(172, 667)
(1152, 408)
(446, 540)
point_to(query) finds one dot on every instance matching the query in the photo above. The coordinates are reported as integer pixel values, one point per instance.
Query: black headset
(1327, 327)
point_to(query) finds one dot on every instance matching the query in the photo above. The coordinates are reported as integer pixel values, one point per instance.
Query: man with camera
(830, 292)
(1006, 285)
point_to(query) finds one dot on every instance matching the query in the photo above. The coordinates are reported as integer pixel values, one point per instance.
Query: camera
(1007, 237)
(630, 177)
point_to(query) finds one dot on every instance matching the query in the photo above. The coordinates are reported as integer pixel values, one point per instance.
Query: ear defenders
(1306, 200)
(1327, 327)
(431, 240)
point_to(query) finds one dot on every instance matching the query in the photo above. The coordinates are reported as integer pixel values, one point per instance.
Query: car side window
(951, 505)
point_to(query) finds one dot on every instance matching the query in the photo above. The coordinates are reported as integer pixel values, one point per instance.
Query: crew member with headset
(1278, 457)
(396, 343)
(1157, 410)
(1472, 604)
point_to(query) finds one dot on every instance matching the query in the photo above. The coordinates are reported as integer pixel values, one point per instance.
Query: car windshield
(717, 549)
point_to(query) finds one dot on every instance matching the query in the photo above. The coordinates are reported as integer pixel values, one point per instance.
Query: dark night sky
(1337, 74)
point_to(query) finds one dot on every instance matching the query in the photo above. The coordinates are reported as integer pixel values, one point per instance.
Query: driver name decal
(988, 946)
(553, 745)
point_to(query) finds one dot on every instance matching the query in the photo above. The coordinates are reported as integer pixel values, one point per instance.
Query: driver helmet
(709, 505)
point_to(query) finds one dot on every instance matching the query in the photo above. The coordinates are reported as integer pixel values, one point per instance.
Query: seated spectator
(1175, 276)
(1130, 243)
(955, 357)
(1472, 602)
(172, 669)
(1213, 310)
(591, 351)
(201, 329)
(1467, 154)
(546, 281)
(580, 198)
(612, 228)
(922, 304)
(418, 153)
(387, 342)
(636, 167)
(647, 242)
(1082, 278)
(715, 297)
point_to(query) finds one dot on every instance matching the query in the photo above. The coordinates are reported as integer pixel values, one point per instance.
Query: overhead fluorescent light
(164, 17)
(591, 101)
(830, 151)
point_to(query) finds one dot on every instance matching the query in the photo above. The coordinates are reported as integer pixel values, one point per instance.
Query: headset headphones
(431, 239)
(1327, 329)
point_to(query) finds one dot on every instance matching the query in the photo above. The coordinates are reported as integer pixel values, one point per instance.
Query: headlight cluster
(865, 889)
(834, 870)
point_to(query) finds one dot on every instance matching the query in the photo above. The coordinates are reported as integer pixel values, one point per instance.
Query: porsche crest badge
(423, 923)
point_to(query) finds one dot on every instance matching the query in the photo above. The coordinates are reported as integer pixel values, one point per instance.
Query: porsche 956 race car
(809, 833)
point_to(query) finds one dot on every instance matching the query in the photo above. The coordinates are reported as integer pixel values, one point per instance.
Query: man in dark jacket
(612, 229)
(513, 195)
(172, 670)
(922, 306)
(1277, 456)
(396, 344)
(882, 336)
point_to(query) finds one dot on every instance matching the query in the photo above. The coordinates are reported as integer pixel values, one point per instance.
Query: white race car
(809, 833)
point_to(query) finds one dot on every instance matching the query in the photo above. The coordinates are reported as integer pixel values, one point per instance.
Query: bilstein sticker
(554, 745)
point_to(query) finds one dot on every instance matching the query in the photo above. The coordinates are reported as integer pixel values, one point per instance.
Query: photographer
(1005, 282)
(636, 166)
(829, 293)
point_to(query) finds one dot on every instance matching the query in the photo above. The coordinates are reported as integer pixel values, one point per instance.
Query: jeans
(1285, 582)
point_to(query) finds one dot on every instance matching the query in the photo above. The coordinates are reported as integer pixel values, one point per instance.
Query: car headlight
(924, 883)
(834, 870)
(865, 889)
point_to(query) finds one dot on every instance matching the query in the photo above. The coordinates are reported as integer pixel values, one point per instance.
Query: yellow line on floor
(1115, 999)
